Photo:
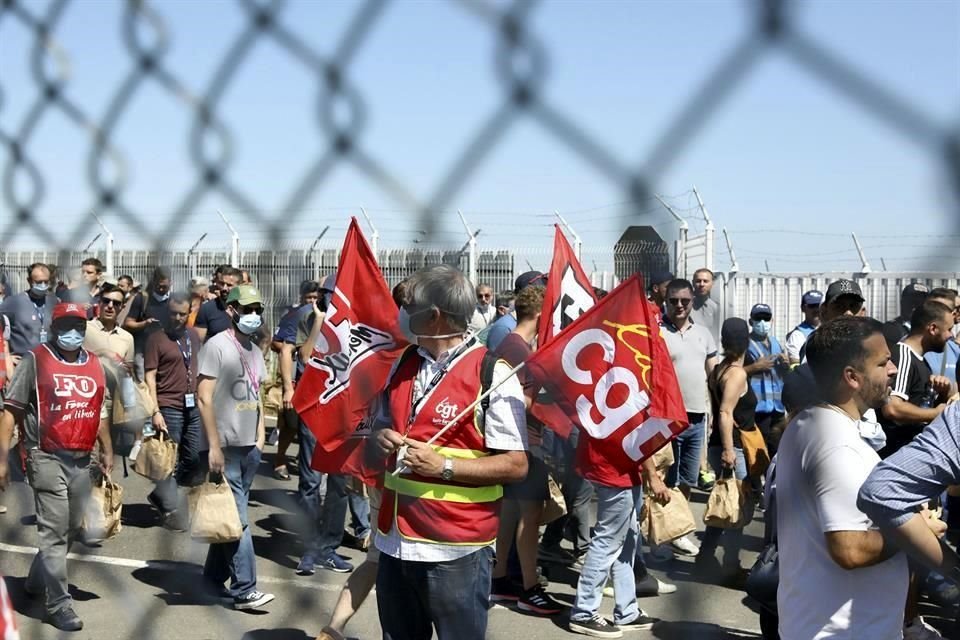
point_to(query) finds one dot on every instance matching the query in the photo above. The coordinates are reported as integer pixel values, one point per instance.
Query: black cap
(524, 280)
(842, 288)
(735, 334)
(659, 277)
(914, 294)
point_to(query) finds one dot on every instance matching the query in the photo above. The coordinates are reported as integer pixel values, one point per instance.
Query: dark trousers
(326, 514)
(577, 494)
(414, 598)
(183, 426)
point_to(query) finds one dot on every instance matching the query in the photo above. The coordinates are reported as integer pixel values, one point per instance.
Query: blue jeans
(359, 515)
(453, 597)
(577, 494)
(184, 426)
(236, 560)
(611, 553)
(326, 515)
(686, 453)
(732, 539)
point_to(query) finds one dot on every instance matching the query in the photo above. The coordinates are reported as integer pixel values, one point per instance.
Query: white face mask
(249, 323)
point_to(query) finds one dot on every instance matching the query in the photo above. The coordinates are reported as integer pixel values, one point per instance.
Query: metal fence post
(708, 232)
(374, 236)
(680, 252)
(577, 243)
(234, 241)
(472, 246)
(109, 238)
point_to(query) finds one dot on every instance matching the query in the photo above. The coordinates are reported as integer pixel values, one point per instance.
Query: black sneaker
(504, 590)
(642, 623)
(65, 619)
(535, 600)
(595, 627)
(252, 600)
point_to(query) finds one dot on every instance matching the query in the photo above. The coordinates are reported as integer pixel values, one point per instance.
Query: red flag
(612, 375)
(359, 342)
(567, 296)
(350, 458)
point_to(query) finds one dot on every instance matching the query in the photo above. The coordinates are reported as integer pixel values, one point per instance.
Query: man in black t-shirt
(212, 317)
(897, 329)
(918, 396)
(149, 312)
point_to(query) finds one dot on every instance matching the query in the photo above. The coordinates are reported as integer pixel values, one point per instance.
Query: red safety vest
(69, 398)
(430, 509)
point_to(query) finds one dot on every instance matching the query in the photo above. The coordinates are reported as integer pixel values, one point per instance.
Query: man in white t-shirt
(838, 578)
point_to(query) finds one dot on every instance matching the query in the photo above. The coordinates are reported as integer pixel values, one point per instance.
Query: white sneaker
(918, 629)
(685, 546)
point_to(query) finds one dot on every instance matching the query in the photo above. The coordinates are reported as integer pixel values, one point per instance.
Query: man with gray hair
(485, 312)
(439, 513)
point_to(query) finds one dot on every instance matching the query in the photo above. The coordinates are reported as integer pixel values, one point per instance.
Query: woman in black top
(734, 405)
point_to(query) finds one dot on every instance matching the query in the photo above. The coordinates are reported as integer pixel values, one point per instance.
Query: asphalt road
(145, 583)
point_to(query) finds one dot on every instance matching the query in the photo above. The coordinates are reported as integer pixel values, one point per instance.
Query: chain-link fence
(343, 112)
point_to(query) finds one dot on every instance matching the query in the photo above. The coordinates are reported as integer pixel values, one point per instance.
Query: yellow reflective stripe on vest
(462, 454)
(442, 492)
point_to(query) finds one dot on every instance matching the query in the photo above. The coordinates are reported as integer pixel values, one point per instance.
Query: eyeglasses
(110, 302)
(684, 302)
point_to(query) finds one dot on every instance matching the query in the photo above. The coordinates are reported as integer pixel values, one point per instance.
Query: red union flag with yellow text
(612, 375)
(358, 344)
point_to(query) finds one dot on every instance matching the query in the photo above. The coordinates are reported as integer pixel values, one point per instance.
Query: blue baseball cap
(761, 309)
(812, 298)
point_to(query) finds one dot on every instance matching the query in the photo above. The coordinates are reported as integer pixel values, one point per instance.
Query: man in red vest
(439, 516)
(57, 396)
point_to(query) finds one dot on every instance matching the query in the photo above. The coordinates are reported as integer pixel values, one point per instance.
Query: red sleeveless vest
(431, 509)
(69, 398)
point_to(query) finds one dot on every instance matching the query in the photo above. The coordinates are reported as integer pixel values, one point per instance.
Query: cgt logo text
(67, 385)
(619, 396)
(446, 411)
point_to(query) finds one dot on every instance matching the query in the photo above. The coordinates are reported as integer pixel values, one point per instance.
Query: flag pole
(401, 468)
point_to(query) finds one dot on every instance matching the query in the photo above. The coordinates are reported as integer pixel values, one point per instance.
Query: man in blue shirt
(765, 364)
(810, 305)
(501, 328)
(945, 363)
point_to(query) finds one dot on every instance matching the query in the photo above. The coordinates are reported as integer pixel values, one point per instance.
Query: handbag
(761, 584)
(663, 523)
(554, 506)
(101, 518)
(214, 518)
(728, 506)
(157, 458)
(754, 451)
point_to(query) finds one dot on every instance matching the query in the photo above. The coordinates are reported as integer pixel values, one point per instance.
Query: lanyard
(437, 377)
(254, 380)
(187, 355)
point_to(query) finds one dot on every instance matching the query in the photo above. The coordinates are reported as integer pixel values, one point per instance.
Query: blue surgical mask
(40, 288)
(70, 340)
(761, 328)
(248, 323)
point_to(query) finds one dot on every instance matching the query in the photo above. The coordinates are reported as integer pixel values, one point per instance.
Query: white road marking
(163, 565)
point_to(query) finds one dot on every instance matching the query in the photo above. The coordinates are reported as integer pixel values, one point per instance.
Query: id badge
(189, 401)
(43, 336)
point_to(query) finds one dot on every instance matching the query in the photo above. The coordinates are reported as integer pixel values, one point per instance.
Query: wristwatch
(447, 473)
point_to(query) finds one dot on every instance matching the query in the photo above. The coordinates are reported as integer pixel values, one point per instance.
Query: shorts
(534, 487)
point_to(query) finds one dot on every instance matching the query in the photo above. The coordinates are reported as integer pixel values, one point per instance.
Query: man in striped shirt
(918, 396)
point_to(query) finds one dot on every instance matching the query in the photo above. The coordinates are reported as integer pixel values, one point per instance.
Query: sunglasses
(762, 317)
(684, 302)
(110, 302)
(251, 309)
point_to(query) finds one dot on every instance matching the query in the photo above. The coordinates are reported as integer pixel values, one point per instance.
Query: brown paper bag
(213, 514)
(157, 458)
(755, 452)
(665, 523)
(137, 414)
(663, 457)
(728, 506)
(555, 506)
(101, 519)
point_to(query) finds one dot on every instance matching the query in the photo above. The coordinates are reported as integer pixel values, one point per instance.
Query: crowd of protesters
(804, 421)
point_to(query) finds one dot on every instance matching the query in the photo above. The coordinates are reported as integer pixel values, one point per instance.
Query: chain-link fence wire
(520, 60)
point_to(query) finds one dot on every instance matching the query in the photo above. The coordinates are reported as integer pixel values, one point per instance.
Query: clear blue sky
(784, 152)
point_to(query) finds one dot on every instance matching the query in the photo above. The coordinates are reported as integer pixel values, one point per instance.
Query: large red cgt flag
(567, 296)
(611, 373)
(358, 344)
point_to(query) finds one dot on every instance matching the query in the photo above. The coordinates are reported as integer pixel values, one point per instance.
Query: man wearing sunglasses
(485, 312)
(107, 340)
(694, 353)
